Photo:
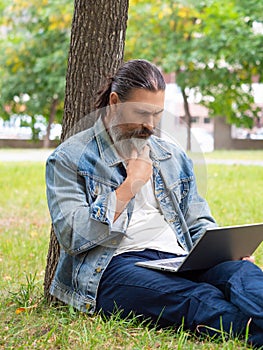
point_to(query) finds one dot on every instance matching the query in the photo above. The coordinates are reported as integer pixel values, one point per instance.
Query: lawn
(248, 155)
(235, 194)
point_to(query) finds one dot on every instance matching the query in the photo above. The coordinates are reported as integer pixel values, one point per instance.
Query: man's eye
(145, 114)
(148, 114)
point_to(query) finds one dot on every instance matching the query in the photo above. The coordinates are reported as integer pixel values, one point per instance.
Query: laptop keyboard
(170, 264)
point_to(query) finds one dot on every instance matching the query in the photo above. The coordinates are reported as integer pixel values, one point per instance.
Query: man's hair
(134, 74)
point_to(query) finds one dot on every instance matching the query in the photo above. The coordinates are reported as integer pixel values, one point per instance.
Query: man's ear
(114, 98)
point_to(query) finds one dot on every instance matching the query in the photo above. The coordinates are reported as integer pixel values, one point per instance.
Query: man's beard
(128, 141)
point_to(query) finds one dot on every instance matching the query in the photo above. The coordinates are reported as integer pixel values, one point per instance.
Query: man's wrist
(128, 189)
(124, 192)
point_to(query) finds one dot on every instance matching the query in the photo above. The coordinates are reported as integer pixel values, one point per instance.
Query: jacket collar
(109, 154)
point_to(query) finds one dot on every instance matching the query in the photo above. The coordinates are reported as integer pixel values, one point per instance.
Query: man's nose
(149, 123)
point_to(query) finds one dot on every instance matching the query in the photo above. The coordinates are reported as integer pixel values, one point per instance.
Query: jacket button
(98, 269)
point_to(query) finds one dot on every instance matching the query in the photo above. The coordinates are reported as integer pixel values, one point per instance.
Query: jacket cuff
(103, 210)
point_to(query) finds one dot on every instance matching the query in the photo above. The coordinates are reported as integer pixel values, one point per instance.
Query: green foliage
(210, 45)
(34, 53)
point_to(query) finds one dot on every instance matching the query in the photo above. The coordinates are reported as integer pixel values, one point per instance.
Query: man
(118, 195)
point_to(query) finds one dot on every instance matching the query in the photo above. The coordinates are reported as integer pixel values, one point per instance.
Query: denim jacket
(81, 177)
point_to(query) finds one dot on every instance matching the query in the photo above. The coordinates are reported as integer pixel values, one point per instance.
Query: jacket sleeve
(78, 224)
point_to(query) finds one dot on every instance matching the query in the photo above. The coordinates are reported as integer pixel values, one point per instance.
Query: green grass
(248, 155)
(235, 196)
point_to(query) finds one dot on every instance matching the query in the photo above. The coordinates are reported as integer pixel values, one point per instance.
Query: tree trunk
(188, 120)
(96, 52)
(53, 110)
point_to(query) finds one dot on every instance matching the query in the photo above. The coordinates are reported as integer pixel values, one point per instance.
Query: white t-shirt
(148, 228)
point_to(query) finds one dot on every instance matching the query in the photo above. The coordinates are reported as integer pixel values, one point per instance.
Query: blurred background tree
(33, 56)
(211, 46)
(214, 47)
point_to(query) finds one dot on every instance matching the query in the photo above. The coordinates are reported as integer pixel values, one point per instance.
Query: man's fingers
(249, 258)
(146, 151)
(134, 154)
(143, 154)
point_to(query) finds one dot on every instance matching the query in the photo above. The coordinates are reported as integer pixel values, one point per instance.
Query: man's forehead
(143, 107)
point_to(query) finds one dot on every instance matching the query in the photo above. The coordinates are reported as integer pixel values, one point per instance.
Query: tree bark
(53, 110)
(188, 120)
(96, 52)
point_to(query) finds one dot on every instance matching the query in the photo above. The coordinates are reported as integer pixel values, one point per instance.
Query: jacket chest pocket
(97, 186)
(181, 189)
(174, 199)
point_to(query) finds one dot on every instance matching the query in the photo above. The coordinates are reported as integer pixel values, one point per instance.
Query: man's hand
(249, 258)
(139, 171)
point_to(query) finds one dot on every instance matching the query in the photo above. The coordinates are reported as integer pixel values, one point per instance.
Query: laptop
(216, 245)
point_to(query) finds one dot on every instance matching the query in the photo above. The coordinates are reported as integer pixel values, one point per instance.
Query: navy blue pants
(226, 297)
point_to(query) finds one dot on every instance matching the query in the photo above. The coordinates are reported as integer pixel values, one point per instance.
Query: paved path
(41, 155)
(27, 155)
(234, 161)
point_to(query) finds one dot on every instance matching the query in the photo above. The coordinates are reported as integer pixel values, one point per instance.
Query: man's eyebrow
(160, 111)
(142, 110)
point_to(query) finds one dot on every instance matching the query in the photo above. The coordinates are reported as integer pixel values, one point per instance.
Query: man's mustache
(142, 132)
